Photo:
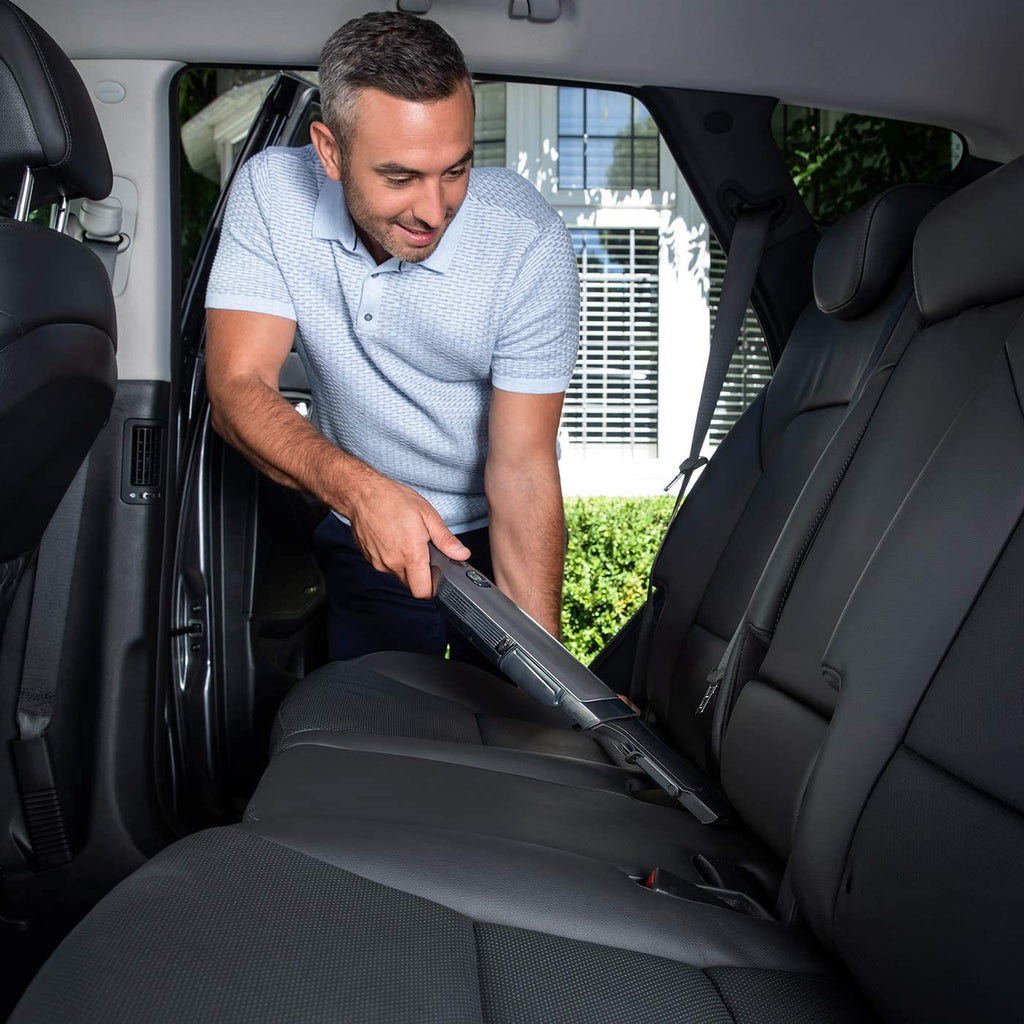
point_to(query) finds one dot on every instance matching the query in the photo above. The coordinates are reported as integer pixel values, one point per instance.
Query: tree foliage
(836, 171)
(612, 542)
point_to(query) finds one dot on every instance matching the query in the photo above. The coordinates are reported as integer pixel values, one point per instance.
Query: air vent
(145, 456)
(142, 462)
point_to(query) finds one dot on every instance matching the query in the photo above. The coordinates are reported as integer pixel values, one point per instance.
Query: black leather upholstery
(731, 520)
(860, 256)
(58, 372)
(47, 120)
(903, 557)
(968, 252)
(909, 833)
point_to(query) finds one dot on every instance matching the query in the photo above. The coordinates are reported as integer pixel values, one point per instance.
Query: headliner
(945, 62)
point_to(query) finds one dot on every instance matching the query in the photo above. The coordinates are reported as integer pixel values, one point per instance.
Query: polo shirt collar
(439, 259)
(331, 220)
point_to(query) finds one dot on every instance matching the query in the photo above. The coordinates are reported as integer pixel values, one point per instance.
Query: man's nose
(430, 205)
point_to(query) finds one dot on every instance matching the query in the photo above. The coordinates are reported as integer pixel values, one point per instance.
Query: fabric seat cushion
(233, 926)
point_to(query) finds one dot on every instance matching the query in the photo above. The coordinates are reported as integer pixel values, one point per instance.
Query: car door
(246, 594)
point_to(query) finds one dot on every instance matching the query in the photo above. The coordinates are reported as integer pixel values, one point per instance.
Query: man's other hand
(392, 525)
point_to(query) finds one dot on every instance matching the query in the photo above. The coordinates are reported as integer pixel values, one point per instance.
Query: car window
(840, 160)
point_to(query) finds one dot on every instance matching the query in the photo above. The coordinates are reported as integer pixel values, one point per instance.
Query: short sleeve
(536, 348)
(245, 273)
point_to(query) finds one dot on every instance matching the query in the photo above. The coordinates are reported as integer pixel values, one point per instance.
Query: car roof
(944, 62)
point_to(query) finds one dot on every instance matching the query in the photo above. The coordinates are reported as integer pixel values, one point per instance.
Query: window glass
(840, 160)
(606, 139)
(750, 367)
(613, 397)
(489, 125)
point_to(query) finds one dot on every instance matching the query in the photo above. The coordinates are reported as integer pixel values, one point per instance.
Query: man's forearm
(256, 420)
(527, 532)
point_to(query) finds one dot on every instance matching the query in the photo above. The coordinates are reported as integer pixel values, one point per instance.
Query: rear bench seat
(722, 536)
(909, 846)
(923, 378)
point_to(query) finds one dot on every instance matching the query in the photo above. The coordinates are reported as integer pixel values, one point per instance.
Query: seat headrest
(969, 251)
(47, 120)
(859, 257)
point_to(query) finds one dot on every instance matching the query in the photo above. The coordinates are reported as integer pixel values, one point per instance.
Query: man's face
(406, 170)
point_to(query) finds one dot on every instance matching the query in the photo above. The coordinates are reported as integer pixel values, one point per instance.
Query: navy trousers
(373, 611)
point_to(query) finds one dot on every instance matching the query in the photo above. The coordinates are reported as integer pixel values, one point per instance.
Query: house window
(750, 367)
(605, 140)
(489, 125)
(613, 396)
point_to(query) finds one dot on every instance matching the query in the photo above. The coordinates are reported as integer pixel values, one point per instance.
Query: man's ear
(327, 149)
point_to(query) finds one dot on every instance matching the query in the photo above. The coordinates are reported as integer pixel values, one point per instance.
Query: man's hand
(391, 522)
(392, 525)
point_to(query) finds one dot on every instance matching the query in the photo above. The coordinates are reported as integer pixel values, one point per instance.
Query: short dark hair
(401, 54)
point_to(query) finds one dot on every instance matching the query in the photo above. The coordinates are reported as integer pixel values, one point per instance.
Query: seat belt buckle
(667, 884)
(40, 802)
(686, 466)
(715, 677)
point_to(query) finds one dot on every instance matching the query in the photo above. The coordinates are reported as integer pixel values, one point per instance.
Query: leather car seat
(58, 372)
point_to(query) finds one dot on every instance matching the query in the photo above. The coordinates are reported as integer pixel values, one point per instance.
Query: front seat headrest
(47, 120)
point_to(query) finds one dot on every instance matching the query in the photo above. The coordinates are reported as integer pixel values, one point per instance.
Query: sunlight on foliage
(836, 171)
(612, 542)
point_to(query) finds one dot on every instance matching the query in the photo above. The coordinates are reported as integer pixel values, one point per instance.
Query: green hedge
(611, 544)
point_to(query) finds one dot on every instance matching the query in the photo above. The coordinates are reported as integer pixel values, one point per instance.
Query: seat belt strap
(745, 250)
(51, 595)
(748, 240)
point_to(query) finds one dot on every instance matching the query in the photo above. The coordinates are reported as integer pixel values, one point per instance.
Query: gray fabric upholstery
(784, 997)
(228, 927)
(535, 979)
(233, 926)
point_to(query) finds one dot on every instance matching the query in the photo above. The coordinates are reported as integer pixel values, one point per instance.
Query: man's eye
(458, 172)
(398, 182)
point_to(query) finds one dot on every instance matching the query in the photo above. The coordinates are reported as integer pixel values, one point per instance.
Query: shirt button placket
(370, 301)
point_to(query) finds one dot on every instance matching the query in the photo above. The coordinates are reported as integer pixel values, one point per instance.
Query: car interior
(206, 819)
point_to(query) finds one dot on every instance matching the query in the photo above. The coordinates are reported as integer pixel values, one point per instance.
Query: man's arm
(524, 492)
(391, 522)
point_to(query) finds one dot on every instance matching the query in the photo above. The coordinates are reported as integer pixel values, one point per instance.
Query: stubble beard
(383, 231)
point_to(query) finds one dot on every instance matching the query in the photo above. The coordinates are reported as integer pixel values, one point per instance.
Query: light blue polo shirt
(402, 357)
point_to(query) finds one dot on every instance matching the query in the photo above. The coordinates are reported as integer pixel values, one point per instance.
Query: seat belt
(745, 250)
(37, 786)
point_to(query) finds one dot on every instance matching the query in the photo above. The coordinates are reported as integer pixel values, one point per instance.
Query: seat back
(730, 521)
(784, 701)
(910, 846)
(58, 371)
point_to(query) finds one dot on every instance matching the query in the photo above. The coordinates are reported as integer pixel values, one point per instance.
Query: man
(437, 316)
